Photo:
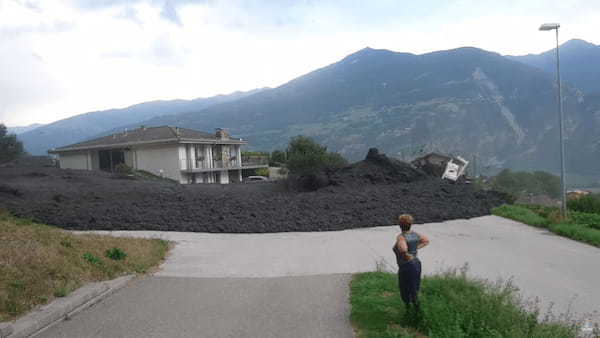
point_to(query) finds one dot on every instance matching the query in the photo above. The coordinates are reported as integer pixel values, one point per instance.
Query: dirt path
(555, 269)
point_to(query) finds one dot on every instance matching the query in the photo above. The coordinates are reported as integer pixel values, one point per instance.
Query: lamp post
(548, 27)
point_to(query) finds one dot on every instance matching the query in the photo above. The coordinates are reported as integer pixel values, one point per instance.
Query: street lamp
(548, 27)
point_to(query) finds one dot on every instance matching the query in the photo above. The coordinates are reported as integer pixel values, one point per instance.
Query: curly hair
(405, 221)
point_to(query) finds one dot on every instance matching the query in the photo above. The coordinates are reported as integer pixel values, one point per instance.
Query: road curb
(61, 308)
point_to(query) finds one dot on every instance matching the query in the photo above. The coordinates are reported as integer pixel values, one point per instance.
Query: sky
(60, 58)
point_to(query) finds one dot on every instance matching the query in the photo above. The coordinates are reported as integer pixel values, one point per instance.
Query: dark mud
(370, 193)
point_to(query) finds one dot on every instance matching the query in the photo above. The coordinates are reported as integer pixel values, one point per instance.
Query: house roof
(432, 155)
(150, 135)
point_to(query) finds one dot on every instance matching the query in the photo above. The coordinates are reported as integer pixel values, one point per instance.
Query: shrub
(115, 254)
(585, 219)
(522, 183)
(307, 157)
(278, 158)
(10, 147)
(123, 169)
(262, 172)
(92, 259)
(589, 204)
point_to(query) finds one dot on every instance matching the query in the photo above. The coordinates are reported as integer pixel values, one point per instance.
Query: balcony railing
(233, 163)
(254, 160)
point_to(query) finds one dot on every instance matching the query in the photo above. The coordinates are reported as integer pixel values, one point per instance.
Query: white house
(184, 155)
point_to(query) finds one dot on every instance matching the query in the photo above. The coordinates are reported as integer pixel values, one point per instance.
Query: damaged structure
(446, 167)
(184, 155)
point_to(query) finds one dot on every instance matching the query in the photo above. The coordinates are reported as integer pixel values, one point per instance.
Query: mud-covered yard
(369, 193)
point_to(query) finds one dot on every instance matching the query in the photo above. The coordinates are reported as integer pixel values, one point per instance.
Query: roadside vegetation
(522, 184)
(10, 147)
(39, 263)
(582, 226)
(453, 305)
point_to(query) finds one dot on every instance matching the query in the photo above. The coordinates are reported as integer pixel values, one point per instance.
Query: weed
(115, 254)
(589, 204)
(61, 292)
(92, 259)
(66, 243)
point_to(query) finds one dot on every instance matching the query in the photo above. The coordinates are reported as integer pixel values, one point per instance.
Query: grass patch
(580, 226)
(521, 214)
(39, 263)
(452, 306)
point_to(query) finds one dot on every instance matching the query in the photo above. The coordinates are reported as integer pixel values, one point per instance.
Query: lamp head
(549, 26)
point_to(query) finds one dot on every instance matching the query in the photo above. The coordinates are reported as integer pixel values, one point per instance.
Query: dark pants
(409, 281)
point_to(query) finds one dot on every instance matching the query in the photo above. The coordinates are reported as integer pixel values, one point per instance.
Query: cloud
(169, 13)
(26, 87)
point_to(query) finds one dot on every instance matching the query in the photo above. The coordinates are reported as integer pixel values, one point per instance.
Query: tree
(307, 157)
(10, 147)
(278, 157)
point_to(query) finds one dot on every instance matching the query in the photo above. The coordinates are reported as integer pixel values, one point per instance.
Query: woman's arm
(423, 241)
(403, 247)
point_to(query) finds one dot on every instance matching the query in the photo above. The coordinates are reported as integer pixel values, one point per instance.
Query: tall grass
(39, 263)
(452, 306)
(589, 204)
(580, 226)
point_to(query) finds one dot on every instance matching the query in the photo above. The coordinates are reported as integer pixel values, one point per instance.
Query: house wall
(163, 158)
(75, 160)
(129, 158)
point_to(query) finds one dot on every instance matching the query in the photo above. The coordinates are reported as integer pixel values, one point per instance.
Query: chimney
(177, 132)
(125, 133)
(221, 134)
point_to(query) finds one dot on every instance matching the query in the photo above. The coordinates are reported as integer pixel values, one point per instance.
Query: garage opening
(109, 159)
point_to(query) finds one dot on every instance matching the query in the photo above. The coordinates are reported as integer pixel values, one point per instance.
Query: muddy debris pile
(376, 168)
(366, 194)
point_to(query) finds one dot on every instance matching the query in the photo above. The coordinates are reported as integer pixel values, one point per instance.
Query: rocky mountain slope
(22, 129)
(467, 101)
(84, 126)
(579, 63)
(490, 109)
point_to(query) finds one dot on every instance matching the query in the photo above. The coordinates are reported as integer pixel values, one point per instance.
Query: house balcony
(248, 162)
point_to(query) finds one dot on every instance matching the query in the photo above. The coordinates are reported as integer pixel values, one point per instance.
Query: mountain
(84, 126)
(21, 130)
(579, 63)
(466, 101)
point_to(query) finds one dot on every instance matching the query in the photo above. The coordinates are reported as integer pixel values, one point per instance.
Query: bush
(585, 219)
(123, 169)
(262, 172)
(115, 254)
(278, 158)
(307, 157)
(522, 183)
(10, 147)
(92, 259)
(589, 204)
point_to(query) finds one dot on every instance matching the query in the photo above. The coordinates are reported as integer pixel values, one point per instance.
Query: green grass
(580, 226)
(39, 263)
(452, 306)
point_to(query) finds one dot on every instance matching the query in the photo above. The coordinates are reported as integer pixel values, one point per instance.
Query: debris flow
(364, 194)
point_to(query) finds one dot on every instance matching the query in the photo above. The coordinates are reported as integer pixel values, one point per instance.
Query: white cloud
(100, 54)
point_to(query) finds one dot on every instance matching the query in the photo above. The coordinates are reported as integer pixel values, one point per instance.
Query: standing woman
(409, 265)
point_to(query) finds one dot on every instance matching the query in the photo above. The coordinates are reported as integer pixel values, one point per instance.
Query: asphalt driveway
(296, 284)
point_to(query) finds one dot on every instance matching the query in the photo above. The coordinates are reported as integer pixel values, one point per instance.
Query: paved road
(213, 269)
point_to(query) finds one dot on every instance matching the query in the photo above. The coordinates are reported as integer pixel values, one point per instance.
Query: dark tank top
(412, 241)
